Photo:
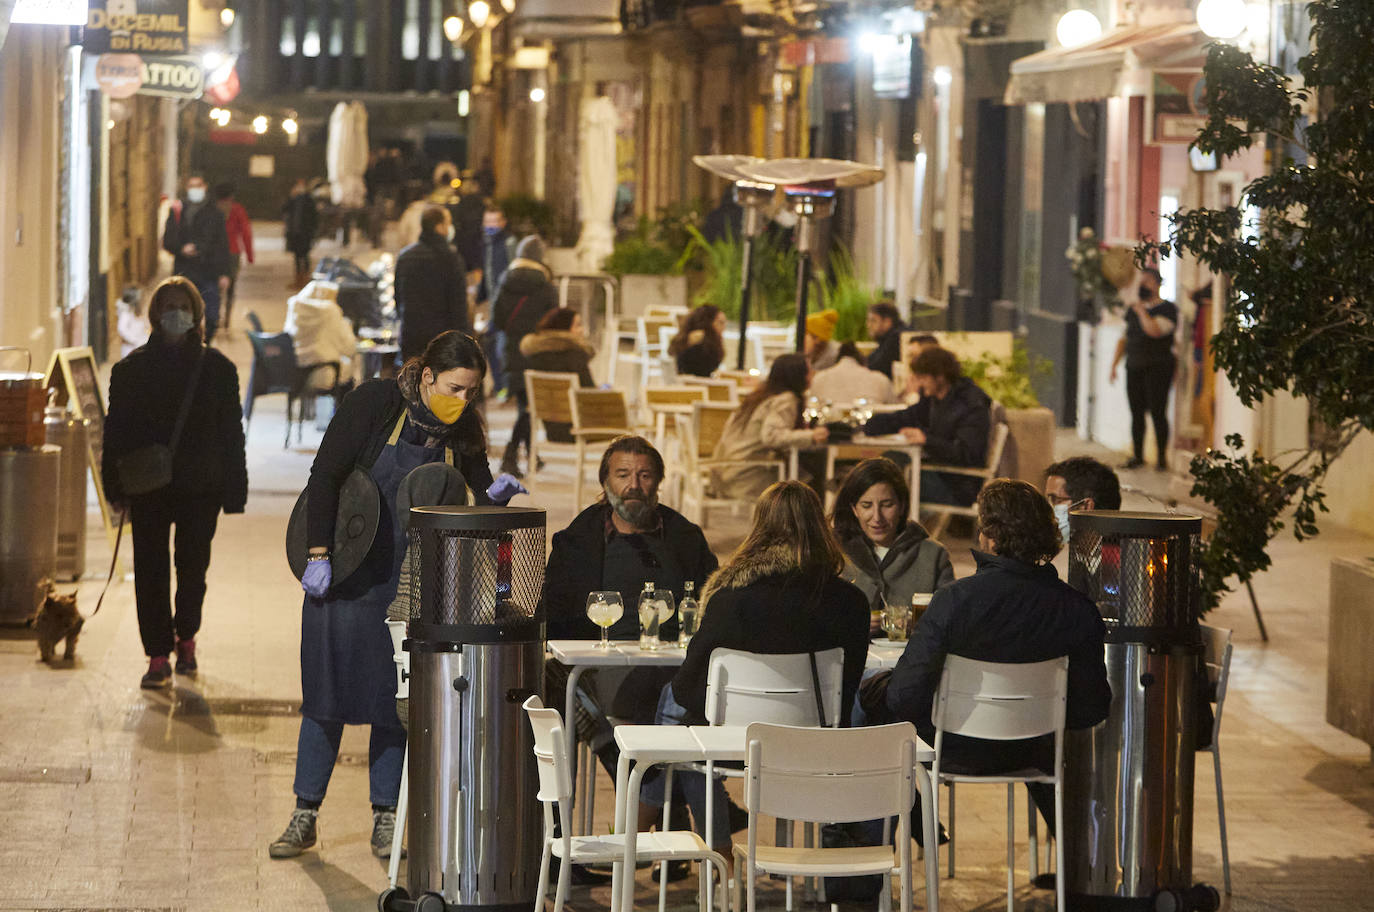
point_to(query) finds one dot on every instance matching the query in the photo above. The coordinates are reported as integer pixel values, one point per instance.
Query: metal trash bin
(1128, 795)
(476, 644)
(28, 529)
(64, 430)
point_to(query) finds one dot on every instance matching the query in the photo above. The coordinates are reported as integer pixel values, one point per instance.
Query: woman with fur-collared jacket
(767, 422)
(559, 344)
(779, 593)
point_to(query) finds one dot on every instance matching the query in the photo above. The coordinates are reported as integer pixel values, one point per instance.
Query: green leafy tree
(1297, 312)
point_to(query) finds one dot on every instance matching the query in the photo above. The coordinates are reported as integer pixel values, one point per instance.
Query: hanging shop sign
(137, 26)
(119, 75)
(49, 12)
(173, 77)
(891, 66)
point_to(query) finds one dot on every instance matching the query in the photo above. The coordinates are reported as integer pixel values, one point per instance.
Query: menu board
(72, 372)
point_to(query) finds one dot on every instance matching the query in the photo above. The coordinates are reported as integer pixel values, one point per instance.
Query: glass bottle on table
(688, 615)
(603, 610)
(655, 607)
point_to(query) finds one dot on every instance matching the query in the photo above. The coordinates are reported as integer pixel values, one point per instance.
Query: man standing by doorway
(196, 236)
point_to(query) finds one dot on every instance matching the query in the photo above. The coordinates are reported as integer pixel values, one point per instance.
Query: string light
(260, 124)
(536, 94)
(226, 16)
(289, 126)
(453, 29)
(478, 12)
(508, 5)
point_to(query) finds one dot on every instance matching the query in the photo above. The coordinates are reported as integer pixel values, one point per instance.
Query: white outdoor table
(883, 656)
(661, 411)
(648, 745)
(863, 442)
(581, 655)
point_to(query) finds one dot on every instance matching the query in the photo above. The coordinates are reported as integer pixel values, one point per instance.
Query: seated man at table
(622, 541)
(1078, 483)
(950, 422)
(1013, 609)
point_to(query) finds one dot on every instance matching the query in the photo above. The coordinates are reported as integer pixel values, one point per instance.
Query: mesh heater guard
(476, 574)
(1140, 569)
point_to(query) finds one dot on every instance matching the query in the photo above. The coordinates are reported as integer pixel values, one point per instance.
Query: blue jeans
(209, 293)
(691, 785)
(318, 748)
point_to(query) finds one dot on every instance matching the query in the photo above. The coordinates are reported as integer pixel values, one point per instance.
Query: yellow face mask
(447, 409)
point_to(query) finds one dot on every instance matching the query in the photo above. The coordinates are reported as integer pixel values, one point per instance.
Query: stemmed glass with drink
(603, 610)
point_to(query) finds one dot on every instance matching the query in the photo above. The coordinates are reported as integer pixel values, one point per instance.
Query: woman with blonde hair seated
(779, 593)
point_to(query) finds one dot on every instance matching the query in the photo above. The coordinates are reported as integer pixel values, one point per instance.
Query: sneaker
(159, 674)
(1134, 462)
(186, 657)
(383, 832)
(299, 835)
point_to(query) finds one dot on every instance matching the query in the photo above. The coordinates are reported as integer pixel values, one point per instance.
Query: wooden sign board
(73, 374)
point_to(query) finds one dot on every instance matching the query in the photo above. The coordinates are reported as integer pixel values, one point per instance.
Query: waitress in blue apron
(388, 429)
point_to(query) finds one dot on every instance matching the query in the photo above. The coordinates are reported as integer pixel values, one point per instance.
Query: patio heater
(755, 197)
(809, 186)
(1128, 795)
(476, 643)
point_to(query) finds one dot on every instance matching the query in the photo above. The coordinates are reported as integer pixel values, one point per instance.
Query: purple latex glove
(317, 577)
(504, 488)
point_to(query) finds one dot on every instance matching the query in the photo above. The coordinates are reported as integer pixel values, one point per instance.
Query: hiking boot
(299, 835)
(383, 832)
(159, 674)
(186, 657)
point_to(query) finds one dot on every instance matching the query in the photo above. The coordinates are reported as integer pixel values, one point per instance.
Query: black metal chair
(254, 322)
(275, 370)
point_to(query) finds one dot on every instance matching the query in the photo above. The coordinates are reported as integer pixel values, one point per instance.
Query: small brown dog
(58, 619)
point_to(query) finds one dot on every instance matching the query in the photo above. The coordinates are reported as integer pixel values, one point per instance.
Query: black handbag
(149, 468)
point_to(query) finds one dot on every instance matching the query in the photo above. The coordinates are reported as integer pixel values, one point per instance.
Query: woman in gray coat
(887, 555)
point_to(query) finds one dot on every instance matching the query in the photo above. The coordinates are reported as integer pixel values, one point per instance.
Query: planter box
(640, 292)
(1349, 673)
(1030, 445)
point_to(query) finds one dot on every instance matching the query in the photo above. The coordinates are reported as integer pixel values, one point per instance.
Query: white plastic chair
(1004, 702)
(555, 786)
(397, 629)
(1216, 644)
(822, 775)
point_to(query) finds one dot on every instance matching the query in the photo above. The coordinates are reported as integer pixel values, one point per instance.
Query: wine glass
(603, 610)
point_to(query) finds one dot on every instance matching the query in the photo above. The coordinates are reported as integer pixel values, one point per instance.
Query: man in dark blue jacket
(196, 236)
(1013, 609)
(950, 422)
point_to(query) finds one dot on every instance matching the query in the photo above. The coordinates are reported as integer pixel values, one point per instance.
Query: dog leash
(114, 562)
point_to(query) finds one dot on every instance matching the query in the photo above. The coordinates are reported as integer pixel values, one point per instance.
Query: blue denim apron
(347, 674)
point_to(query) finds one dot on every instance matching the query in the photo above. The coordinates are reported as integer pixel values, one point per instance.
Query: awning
(1118, 63)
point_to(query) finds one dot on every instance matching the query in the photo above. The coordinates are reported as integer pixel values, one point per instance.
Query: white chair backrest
(831, 775)
(1216, 648)
(745, 687)
(1001, 701)
(550, 752)
(397, 629)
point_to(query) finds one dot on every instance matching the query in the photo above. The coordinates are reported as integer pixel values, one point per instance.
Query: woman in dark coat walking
(300, 220)
(388, 429)
(209, 470)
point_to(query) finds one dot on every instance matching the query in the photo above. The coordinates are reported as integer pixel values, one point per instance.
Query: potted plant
(650, 271)
(1030, 426)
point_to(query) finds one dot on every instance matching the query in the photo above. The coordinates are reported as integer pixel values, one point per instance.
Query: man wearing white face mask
(196, 236)
(1078, 483)
(431, 284)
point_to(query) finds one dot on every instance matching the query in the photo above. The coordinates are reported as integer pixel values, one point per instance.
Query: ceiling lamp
(478, 12)
(453, 29)
(1079, 27)
(1224, 19)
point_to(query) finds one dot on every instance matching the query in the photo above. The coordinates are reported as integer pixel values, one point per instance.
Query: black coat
(956, 429)
(1008, 611)
(699, 360)
(577, 560)
(206, 229)
(355, 438)
(431, 292)
(524, 296)
(146, 392)
(888, 351)
(772, 610)
(300, 221)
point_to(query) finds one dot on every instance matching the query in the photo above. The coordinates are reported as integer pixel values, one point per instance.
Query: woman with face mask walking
(386, 428)
(174, 392)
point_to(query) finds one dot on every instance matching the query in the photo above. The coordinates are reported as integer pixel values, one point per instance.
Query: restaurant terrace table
(645, 746)
(861, 447)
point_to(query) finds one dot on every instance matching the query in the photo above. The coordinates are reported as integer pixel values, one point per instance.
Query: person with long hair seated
(779, 593)
(700, 347)
(767, 421)
(558, 344)
(887, 554)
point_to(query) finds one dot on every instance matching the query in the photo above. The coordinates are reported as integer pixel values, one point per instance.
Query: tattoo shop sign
(122, 75)
(136, 26)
